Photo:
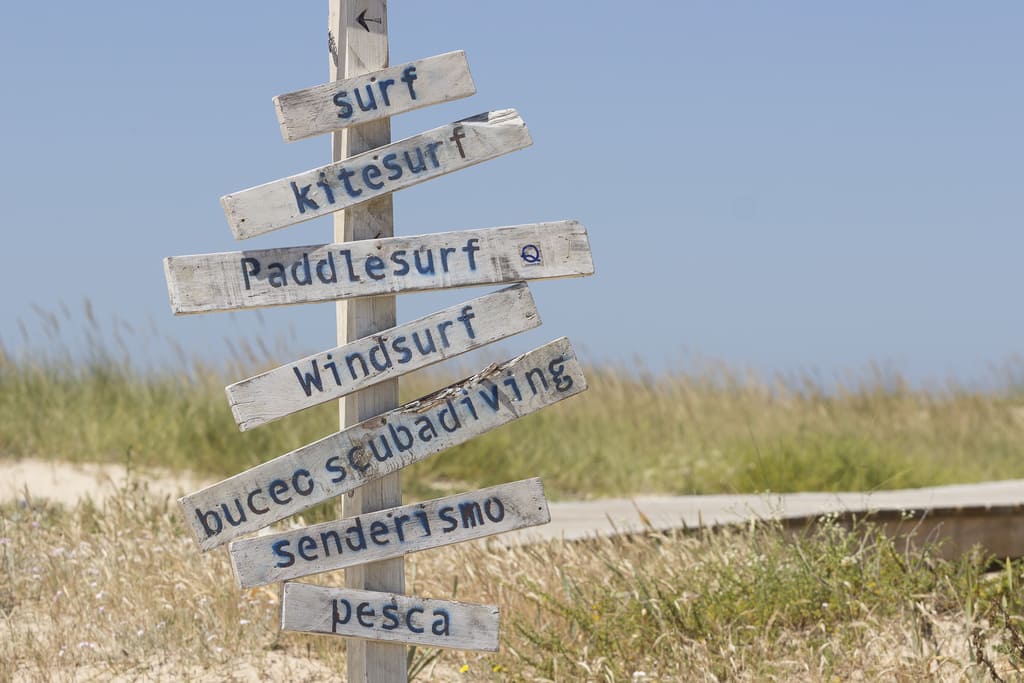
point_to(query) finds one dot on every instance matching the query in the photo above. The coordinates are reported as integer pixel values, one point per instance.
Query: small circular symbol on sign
(530, 253)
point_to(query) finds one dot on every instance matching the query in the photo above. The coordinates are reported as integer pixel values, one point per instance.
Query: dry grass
(122, 593)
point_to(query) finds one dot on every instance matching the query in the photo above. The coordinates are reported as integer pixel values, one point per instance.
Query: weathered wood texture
(373, 173)
(372, 96)
(385, 355)
(358, 41)
(383, 616)
(388, 533)
(386, 443)
(293, 275)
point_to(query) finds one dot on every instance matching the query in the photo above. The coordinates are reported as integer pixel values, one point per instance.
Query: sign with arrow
(328, 272)
(367, 261)
(377, 172)
(374, 96)
(365, 22)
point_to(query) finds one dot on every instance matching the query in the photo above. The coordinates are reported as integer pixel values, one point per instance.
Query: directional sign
(332, 374)
(374, 95)
(375, 536)
(386, 616)
(293, 275)
(383, 444)
(374, 173)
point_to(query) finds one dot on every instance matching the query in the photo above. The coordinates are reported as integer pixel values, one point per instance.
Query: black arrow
(362, 20)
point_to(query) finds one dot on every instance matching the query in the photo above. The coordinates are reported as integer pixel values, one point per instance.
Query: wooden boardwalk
(990, 514)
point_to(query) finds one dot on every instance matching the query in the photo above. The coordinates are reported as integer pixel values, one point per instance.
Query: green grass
(709, 430)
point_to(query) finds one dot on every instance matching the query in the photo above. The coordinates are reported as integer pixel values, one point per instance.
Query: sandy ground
(68, 483)
(987, 513)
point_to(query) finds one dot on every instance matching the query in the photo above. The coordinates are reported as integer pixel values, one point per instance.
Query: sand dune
(69, 483)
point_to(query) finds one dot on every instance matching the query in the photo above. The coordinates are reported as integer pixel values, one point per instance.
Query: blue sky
(783, 186)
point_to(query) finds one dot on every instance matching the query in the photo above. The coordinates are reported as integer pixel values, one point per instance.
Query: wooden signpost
(386, 443)
(362, 269)
(358, 47)
(377, 172)
(383, 616)
(340, 371)
(399, 89)
(293, 275)
(389, 533)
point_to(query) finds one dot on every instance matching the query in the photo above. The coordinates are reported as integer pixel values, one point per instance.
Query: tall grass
(706, 430)
(121, 592)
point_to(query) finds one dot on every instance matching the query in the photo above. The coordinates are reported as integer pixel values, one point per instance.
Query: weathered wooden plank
(357, 33)
(365, 452)
(376, 172)
(385, 355)
(375, 95)
(328, 272)
(374, 615)
(390, 533)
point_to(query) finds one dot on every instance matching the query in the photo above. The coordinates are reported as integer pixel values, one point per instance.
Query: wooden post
(358, 42)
